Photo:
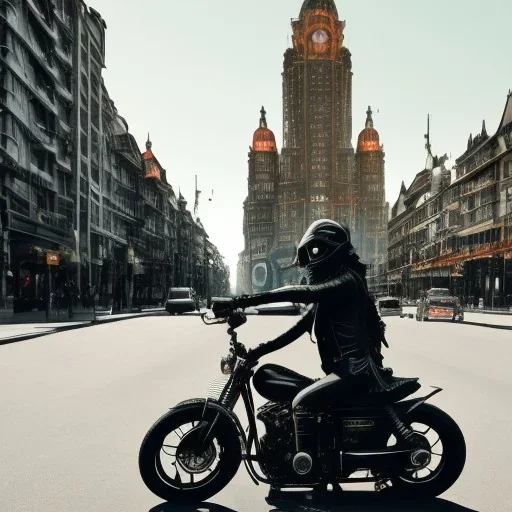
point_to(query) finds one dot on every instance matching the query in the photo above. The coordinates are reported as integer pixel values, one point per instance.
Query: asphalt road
(76, 406)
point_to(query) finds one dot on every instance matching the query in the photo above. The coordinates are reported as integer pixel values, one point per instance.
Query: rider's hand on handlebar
(222, 309)
(251, 357)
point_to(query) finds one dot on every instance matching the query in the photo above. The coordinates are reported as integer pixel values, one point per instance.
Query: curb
(25, 337)
(490, 326)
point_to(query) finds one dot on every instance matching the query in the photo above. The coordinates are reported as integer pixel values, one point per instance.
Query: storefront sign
(53, 259)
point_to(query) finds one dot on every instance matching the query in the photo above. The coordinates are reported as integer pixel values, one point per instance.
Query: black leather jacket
(341, 318)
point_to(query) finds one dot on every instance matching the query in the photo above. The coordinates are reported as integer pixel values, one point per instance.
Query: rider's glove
(239, 302)
(222, 308)
(251, 357)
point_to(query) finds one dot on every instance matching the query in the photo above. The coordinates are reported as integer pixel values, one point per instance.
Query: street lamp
(208, 279)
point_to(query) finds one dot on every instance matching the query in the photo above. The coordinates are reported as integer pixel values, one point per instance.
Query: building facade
(373, 210)
(36, 146)
(458, 234)
(255, 271)
(82, 212)
(317, 175)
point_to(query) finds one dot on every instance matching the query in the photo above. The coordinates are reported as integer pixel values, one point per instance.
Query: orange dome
(263, 138)
(369, 138)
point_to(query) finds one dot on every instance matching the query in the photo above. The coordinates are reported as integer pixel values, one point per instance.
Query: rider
(341, 318)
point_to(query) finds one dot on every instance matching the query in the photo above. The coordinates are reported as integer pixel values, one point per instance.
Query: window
(95, 173)
(95, 214)
(507, 169)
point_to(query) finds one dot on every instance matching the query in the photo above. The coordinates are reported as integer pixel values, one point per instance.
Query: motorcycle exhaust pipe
(390, 460)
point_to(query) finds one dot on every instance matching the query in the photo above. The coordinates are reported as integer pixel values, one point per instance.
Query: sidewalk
(11, 333)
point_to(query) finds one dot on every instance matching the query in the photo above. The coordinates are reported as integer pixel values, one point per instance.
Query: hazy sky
(195, 74)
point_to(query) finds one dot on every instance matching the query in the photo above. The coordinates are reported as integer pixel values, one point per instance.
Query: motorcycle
(387, 444)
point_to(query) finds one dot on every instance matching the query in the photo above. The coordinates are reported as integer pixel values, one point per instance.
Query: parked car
(439, 304)
(389, 306)
(181, 300)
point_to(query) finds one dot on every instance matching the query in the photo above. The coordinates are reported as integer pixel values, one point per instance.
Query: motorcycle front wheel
(173, 466)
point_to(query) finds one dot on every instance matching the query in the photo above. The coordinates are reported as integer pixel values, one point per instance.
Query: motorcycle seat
(279, 384)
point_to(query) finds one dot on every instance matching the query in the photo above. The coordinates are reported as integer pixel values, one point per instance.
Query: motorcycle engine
(278, 443)
(356, 431)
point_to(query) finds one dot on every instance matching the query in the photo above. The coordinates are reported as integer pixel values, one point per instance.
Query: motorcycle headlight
(225, 366)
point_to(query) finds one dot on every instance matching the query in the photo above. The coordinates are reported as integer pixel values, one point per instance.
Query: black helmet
(325, 244)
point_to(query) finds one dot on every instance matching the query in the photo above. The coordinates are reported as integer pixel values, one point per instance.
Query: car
(181, 300)
(389, 306)
(439, 304)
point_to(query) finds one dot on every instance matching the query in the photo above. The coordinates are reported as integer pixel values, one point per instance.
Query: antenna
(196, 204)
(211, 198)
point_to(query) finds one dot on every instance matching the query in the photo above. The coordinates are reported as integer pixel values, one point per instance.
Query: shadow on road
(351, 501)
(347, 502)
(202, 507)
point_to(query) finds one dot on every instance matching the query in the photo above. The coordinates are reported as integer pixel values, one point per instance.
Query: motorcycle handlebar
(232, 317)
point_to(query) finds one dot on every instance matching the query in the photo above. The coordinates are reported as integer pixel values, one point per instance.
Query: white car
(389, 306)
(181, 300)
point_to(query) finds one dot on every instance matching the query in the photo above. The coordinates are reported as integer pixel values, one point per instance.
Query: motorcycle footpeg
(382, 485)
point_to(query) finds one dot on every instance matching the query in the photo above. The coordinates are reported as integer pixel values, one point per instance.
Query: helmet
(325, 245)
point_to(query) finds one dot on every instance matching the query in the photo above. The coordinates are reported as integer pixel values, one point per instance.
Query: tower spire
(149, 144)
(430, 158)
(263, 119)
(369, 118)
(428, 146)
(484, 129)
(196, 202)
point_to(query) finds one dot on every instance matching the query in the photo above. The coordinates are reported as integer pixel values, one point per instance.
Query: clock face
(320, 36)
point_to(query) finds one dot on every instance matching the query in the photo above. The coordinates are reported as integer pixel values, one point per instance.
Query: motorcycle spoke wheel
(189, 472)
(169, 463)
(442, 438)
(433, 445)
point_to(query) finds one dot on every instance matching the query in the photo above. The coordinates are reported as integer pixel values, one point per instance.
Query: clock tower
(317, 170)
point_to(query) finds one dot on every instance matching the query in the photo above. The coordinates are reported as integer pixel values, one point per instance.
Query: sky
(195, 73)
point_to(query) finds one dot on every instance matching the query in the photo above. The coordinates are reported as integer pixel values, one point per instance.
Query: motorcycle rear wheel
(453, 456)
(225, 444)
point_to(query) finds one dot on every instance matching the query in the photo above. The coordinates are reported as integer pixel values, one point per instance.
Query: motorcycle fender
(209, 404)
(408, 406)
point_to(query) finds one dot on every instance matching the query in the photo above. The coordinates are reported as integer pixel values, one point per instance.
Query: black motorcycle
(194, 450)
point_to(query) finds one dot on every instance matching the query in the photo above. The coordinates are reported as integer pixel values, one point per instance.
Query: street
(76, 406)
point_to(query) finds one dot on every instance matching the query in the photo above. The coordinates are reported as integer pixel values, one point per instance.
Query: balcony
(64, 56)
(43, 58)
(42, 19)
(46, 137)
(64, 93)
(64, 163)
(65, 19)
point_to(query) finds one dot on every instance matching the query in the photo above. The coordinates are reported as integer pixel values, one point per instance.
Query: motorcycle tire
(453, 459)
(150, 466)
